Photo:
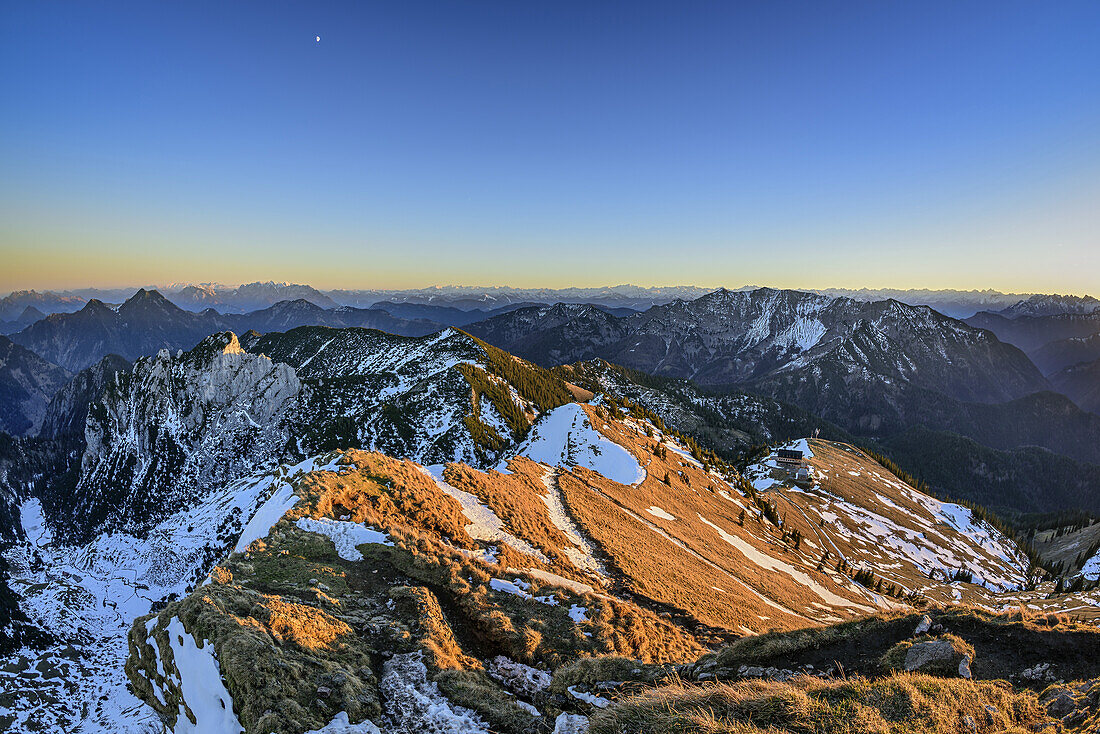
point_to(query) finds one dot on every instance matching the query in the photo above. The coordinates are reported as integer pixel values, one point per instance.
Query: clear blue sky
(796, 144)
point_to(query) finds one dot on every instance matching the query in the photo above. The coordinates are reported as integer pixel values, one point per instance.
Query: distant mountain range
(149, 322)
(29, 316)
(1052, 305)
(1081, 383)
(256, 296)
(1059, 354)
(1061, 335)
(873, 369)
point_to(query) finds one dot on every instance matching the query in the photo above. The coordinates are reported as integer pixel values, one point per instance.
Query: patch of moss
(475, 690)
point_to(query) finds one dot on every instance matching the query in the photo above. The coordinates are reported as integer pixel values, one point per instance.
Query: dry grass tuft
(305, 626)
(898, 704)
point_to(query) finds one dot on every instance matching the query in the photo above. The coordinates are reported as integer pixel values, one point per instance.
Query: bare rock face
(178, 424)
(939, 656)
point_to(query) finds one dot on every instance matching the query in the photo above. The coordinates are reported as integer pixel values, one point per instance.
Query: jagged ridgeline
(180, 423)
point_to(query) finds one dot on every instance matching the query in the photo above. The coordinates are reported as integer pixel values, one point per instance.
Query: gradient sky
(815, 144)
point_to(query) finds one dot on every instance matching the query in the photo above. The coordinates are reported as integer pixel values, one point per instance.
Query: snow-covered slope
(879, 522)
(87, 595)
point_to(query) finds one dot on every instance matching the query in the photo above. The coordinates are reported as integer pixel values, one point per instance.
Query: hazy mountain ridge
(67, 411)
(149, 322)
(247, 297)
(1052, 305)
(1030, 333)
(1009, 481)
(1081, 384)
(27, 383)
(1057, 355)
(14, 305)
(29, 316)
(255, 296)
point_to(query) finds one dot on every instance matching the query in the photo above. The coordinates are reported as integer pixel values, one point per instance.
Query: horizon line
(176, 287)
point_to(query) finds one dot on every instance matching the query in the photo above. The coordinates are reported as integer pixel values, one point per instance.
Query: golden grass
(516, 499)
(661, 570)
(526, 629)
(383, 492)
(898, 704)
(307, 627)
(695, 569)
(579, 393)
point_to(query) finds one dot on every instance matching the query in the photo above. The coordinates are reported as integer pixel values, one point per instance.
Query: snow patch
(484, 523)
(200, 682)
(590, 698)
(774, 564)
(414, 704)
(583, 555)
(340, 724)
(517, 587)
(571, 724)
(658, 512)
(346, 536)
(34, 523)
(565, 437)
(520, 678)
